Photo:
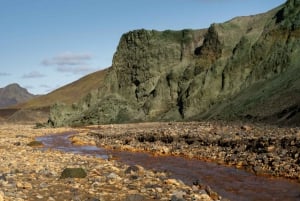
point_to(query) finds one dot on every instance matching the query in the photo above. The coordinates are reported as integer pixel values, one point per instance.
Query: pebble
(1, 196)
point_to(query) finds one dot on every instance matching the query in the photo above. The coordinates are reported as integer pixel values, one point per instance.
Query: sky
(46, 44)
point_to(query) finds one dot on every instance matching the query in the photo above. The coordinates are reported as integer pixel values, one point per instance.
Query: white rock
(1, 196)
(203, 197)
(113, 176)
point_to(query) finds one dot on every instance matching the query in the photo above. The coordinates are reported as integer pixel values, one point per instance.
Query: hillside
(37, 109)
(13, 94)
(244, 68)
(69, 93)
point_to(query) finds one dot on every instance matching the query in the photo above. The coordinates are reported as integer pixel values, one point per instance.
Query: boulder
(73, 173)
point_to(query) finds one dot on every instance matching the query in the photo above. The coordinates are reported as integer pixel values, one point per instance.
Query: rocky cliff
(247, 67)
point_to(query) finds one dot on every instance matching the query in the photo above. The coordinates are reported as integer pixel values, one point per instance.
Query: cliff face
(228, 70)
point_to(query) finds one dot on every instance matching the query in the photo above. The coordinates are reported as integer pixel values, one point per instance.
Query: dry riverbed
(28, 173)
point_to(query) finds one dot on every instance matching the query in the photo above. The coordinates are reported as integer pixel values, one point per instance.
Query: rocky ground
(28, 173)
(262, 149)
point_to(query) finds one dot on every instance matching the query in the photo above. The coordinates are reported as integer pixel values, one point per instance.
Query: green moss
(171, 35)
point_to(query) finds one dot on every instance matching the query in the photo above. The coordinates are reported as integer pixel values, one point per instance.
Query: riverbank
(29, 173)
(261, 149)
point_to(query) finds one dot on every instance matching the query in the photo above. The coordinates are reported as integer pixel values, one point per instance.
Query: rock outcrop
(246, 67)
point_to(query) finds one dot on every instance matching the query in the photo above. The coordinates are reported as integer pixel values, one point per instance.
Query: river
(229, 182)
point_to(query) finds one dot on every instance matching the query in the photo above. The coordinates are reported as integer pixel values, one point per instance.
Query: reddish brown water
(234, 184)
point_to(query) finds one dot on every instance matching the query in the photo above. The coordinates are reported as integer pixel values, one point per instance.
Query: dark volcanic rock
(73, 173)
(35, 144)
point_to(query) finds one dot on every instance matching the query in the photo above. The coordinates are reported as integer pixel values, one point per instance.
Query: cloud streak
(68, 59)
(33, 74)
(70, 62)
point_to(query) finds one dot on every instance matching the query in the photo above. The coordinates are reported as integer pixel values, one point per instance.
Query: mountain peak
(13, 94)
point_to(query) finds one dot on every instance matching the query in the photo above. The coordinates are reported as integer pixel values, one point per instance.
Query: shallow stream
(229, 182)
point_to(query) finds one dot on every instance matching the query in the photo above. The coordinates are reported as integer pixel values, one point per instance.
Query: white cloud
(68, 59)
(70, 62)
(33, 74)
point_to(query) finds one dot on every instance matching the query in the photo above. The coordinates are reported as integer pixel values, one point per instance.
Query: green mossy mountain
(248, 67)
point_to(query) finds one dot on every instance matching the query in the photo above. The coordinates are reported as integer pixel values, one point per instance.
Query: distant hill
(13, 94)
(37, 108)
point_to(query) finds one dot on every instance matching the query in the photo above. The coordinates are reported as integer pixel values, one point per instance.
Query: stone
(135, 197)
(27, 185)
(1, 196)
(2, 177)
(44, 185)
(132, 169)
(73, 173)
(173, 182)
(270, 148)
(35, 144)
(212, 194)
(203, 197)
(246, 127)
(92, 199)
(159, 190)
(17, 143)
(178, 196)
(113, 176)
(24, 185)
(175, 198)
(39, 197)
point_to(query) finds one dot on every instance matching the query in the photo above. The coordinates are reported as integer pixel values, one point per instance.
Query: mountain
(37, 109)
(13, 94)
(245, 68)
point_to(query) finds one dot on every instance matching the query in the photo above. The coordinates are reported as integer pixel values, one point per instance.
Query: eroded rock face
(197, 74)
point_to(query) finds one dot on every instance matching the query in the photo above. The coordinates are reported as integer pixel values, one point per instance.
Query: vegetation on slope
(69, 93)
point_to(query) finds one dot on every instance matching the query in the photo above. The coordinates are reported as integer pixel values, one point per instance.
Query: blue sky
(45, 44)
